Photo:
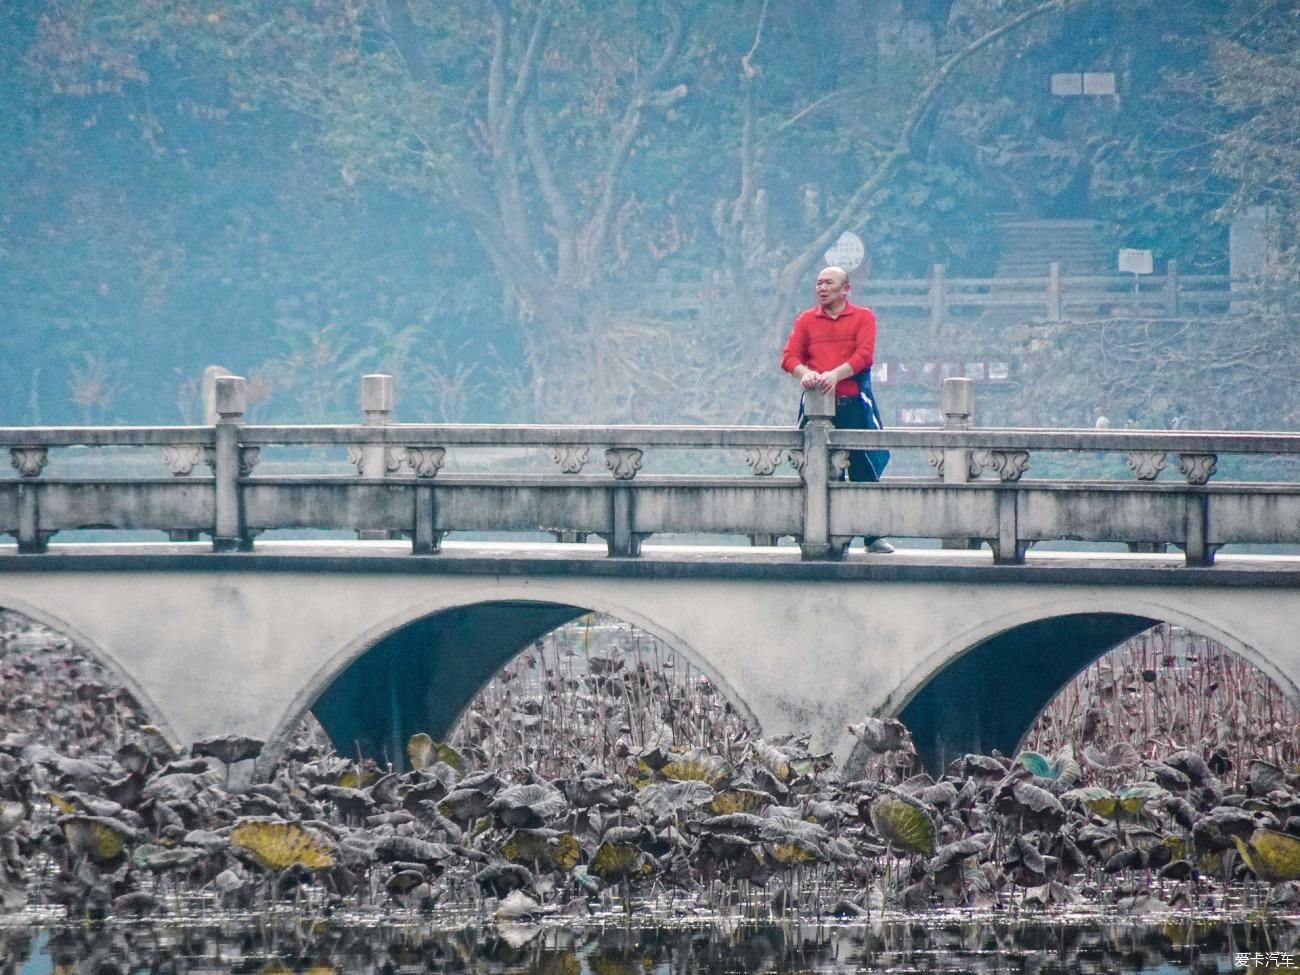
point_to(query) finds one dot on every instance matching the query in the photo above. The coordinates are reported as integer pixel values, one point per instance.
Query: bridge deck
(515, 558)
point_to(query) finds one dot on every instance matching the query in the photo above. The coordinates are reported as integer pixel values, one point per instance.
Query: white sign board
(848, 252)
(1134, 261)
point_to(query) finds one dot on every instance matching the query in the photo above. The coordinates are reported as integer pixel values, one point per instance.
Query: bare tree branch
(566, 241)
(852, 211)
(598, 226)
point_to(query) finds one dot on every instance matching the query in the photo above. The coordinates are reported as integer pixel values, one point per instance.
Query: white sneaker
(880, 547)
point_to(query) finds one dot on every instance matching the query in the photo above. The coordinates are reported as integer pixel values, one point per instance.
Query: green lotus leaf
(903, 823)
(277, 845)
(1038, 764)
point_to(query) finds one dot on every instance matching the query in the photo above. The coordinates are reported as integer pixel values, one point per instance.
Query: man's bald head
(832, 289)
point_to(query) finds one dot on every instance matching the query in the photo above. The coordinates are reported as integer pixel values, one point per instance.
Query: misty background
(609, 211)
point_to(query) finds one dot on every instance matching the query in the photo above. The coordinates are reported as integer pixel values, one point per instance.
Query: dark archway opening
(420, 678)
(524, 684)
(1169, 689)
(989, 697)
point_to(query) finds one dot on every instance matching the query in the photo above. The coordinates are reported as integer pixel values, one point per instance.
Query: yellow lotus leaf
(616, 964)
(559, 963)
(420, 750)
(1099, 801)
(902, 823)
(697, 766)
(277, 845)
(1133, 797)
(642, 776)
(1273, 856)
(423, 751)
(61, 804)
(547, 847)
(614, 861)
(738, 801)
(789, 854)
(357, 778)
(97, 837)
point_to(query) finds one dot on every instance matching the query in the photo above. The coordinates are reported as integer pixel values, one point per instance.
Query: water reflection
(309, 945)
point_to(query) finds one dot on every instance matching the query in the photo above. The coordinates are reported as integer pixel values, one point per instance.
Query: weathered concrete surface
(248, 642)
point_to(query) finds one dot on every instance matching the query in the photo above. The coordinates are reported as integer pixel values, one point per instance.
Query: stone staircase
(1029, 246)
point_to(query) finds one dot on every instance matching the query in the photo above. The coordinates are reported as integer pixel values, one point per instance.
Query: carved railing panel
(1146, 464)
(763, 461)
(425, 461)
(572, 458)
(1198, 468)
(623, 462)
(182, 458)
(29, 461)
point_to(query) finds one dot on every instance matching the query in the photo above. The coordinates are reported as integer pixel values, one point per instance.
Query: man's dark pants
(851, 414)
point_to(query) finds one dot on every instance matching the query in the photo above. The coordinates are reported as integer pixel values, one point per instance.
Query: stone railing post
(231, 400)
(1054, 291)
(377, 404)
(938, 298)
(1172, 296)
(819, 409)
(957, 402)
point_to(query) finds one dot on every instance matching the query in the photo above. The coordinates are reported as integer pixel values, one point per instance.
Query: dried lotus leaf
(278, 845)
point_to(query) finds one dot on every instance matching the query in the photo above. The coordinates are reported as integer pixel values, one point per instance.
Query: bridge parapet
(400, 486)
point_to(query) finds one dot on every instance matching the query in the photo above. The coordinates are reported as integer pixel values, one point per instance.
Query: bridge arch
(120, 674)
(984, 688)
(411, 672)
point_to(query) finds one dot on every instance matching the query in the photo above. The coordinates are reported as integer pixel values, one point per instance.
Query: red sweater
(821, 343)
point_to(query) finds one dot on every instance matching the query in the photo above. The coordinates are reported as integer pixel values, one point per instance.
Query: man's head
(832, 288)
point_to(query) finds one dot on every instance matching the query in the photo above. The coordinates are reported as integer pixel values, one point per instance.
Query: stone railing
(603, 482)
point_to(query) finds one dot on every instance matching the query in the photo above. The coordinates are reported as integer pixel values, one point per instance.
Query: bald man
(831, 348)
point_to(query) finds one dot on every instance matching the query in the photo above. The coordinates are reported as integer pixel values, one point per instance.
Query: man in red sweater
(832, 347)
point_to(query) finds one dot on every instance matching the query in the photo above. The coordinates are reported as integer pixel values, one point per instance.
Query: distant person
(831, 348)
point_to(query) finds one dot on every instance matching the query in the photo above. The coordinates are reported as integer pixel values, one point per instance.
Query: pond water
(409, 945)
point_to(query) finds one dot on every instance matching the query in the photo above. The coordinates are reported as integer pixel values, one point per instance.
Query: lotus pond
(614, 947)
(601, 808)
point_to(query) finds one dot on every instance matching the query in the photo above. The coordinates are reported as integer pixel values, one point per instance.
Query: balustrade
(419, 481)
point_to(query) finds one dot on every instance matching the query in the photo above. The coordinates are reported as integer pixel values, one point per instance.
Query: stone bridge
(382, 637)
(381, 644)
